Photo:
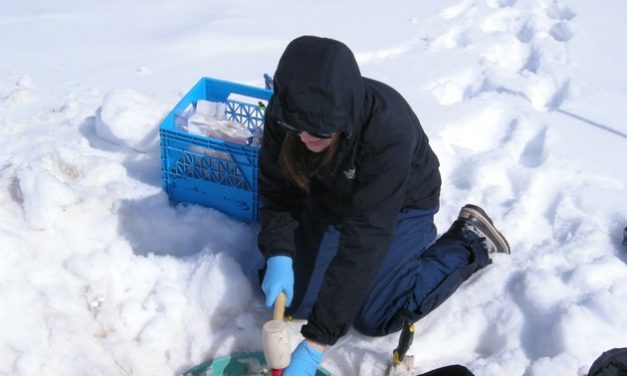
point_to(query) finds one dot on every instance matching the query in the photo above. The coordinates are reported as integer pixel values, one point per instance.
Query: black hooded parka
(383, 164)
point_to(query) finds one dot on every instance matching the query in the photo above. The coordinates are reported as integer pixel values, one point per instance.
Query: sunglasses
(294, 130)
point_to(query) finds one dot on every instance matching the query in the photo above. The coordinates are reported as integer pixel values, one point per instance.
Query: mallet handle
(279, 307)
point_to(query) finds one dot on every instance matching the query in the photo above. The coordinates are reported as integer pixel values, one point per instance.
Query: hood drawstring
(351, 171)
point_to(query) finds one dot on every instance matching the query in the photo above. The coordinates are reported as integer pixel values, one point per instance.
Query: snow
(524, 103)
(127, 117)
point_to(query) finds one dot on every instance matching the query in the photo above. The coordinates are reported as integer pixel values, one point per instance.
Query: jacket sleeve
(281, 201)
(365, 238)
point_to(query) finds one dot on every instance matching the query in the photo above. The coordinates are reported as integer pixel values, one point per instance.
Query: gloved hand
(304, 361)
(279, 277)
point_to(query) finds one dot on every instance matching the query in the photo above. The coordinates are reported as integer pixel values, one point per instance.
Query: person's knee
(366, 328)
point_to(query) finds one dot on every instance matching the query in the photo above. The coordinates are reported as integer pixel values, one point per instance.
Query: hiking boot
(477, 221)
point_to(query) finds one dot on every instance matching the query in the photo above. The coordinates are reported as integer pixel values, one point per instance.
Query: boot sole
(473, 212)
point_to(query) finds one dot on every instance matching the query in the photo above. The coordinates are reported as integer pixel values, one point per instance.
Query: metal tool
(404, 341)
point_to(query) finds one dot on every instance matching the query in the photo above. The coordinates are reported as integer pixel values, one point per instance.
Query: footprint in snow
(561, 32)
(560, 12)
(533, 154)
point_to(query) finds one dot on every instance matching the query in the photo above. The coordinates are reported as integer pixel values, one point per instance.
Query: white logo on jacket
(350, 173)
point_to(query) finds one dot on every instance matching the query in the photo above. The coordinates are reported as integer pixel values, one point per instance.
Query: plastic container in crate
(209, 171)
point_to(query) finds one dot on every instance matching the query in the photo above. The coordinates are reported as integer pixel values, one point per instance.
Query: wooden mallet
(276, 339)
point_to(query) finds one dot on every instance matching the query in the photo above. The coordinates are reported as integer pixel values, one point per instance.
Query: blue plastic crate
(209, 171)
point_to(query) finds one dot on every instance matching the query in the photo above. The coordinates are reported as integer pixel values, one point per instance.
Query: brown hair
(301, 164)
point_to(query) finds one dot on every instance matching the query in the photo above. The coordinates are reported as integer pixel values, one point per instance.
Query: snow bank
(130, 118)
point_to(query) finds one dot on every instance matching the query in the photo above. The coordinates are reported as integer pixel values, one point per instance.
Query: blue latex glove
(279, 277)
(304, 361)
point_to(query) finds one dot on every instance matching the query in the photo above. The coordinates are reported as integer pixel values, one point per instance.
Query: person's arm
(365, 238)
(280, 203)
(280, 200)
(316, 346)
